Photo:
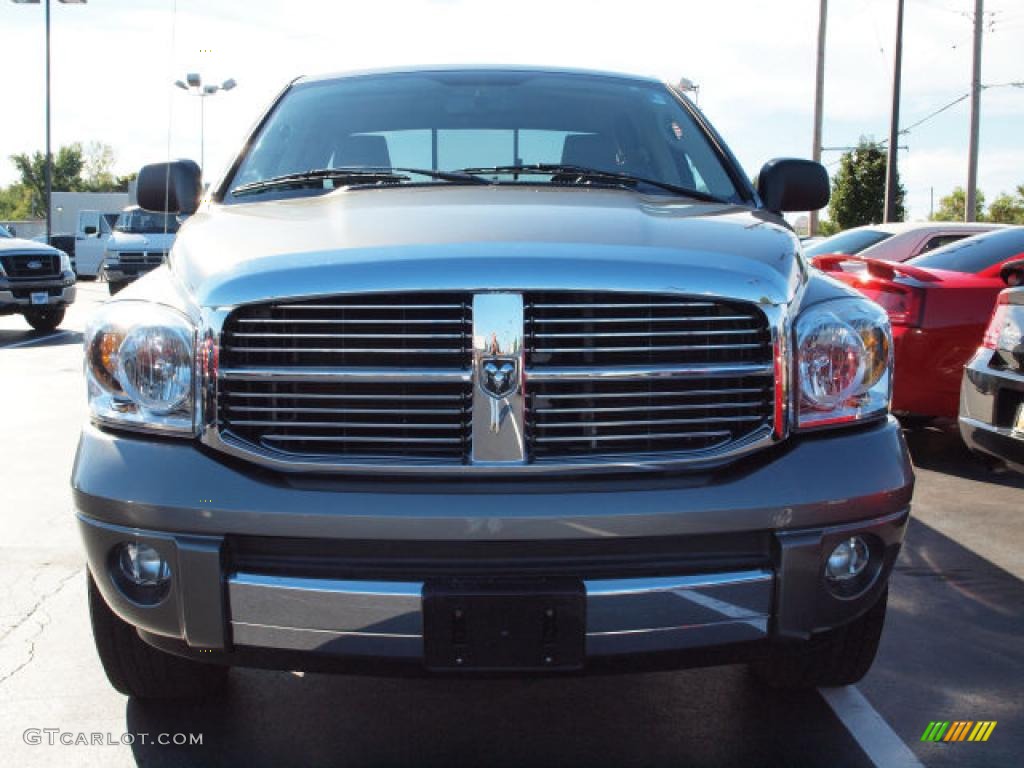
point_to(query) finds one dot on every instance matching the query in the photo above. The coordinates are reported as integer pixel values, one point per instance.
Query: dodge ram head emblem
(498, 377)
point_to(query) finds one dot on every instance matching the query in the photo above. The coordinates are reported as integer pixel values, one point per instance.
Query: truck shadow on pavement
(696, 717)
(951, 649)
(36, 339)
(941, 449)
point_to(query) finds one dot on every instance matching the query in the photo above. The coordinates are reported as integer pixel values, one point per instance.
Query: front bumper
(990, 399)
(17, 296)
(336, 568)
(126, 273)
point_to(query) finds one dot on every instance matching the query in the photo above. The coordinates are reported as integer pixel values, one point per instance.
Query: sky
(114, 62)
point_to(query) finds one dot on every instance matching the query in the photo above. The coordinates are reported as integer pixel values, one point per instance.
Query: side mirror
(173, 187)
(13, 231)
(788, 184)
(89, 231)
(1013, 272)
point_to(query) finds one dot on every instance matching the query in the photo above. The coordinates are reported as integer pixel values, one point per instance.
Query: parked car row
(948, 310)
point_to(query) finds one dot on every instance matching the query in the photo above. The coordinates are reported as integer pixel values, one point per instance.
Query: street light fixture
(193, 84)
(49, 154)
(688, 86)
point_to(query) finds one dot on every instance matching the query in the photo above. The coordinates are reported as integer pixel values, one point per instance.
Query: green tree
(953, 206)
(67, 173)
(858, 189)
(15, 203)
(1007, 208)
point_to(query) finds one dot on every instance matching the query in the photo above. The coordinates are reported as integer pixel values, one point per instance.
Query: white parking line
(879, 742)
(37, 340)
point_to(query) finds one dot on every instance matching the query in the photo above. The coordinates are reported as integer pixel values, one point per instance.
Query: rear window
(974, 254)
(850, 242)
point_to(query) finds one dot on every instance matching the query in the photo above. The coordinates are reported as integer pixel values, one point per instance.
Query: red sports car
(939, 305)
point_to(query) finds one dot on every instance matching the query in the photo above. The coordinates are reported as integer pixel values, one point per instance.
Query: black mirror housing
(1013, 273)
(789, 184)
(88, 231)
(173, 187)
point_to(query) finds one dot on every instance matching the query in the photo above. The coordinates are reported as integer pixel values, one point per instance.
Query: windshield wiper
(577, 173)
(360, 175)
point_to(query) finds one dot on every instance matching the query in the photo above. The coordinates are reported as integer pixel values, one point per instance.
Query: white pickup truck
(91, 234)
(139, 244)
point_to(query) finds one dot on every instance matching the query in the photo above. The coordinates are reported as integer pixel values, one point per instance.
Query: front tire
(841, 656)
(135, 668)
(115, 287)
(45, 319)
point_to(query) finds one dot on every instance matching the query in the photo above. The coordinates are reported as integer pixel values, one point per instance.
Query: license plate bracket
(39, 297)
(504, 625)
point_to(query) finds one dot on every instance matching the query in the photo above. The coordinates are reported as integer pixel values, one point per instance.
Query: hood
(19, 245)
(133, 241)
(483, 238)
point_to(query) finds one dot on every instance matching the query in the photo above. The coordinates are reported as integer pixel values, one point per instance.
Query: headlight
(65, 262)
(844, 362)
(139, 366)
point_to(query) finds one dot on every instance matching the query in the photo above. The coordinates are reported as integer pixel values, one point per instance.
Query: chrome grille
(422, 330)
(393, 419)
(602, 329)
(366, 376)
(389, 380)
(658, 415)
(616, 373)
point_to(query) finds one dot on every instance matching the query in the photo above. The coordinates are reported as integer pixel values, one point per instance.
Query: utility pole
(49, 154)
(891, 176)
(819, 100)
(970, 208)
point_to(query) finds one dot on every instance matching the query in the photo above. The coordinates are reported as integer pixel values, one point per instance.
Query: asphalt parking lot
(952, 648)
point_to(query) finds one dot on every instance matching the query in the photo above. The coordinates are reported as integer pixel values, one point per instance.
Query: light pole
(194, 84)
(49, 155)
(688, 86)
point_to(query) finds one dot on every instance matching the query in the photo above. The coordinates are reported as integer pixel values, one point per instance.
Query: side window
(940, 240)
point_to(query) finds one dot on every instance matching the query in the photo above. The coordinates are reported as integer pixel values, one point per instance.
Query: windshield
(451, 121)
(139, 222)
(850, 242)
(975, 254)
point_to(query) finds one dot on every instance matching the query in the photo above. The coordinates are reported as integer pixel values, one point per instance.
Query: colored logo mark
(958, 730)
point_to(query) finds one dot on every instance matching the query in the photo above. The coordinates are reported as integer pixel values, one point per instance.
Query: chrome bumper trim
(386, 619)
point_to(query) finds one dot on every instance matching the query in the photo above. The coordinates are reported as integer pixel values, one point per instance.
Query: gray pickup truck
(36, 281)
(465, 371)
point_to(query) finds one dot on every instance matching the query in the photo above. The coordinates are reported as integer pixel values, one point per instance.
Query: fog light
(848, 560)
(143, 566)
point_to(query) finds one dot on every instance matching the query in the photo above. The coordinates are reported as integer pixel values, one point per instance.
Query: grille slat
(645, 436)
(647, 349)
(648, 408)
(361, 411)
(644, 334)
(247, 335)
